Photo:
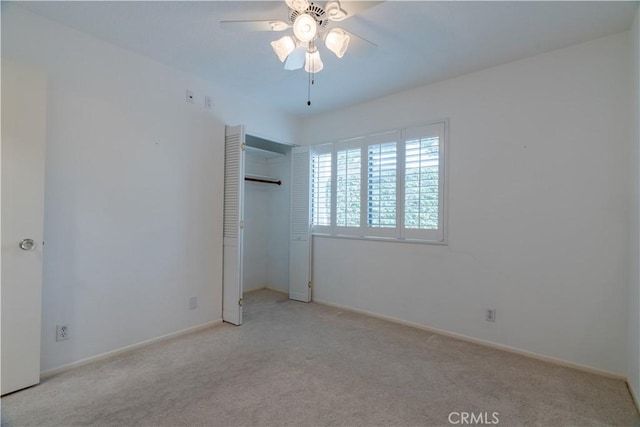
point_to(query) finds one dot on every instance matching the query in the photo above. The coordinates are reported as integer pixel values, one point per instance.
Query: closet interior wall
(266, 222)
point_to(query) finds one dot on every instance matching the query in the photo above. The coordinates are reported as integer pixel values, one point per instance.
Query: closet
(266, 215)
(266, 220)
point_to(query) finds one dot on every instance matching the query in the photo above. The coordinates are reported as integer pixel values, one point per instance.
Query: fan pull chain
(312, 67)
(309, 90)
(312, 80)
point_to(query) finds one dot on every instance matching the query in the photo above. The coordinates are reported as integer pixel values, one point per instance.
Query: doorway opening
(267, 196)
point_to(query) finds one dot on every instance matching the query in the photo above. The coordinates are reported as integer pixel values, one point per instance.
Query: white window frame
(399, 233)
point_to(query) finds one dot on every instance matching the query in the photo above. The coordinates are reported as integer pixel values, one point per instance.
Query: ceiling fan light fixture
(313, 64)
(299, 5)
(337, 41)
(334, 11)
(305, 28)
(283, 47)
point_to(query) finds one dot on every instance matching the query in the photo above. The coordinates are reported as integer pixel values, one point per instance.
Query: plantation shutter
(321, 187)
(300, 242)
(349, 187)
(382, 184)
(233, 225)
(424, 180)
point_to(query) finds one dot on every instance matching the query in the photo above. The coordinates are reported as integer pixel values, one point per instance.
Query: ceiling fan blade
(296, 59)
(272, 25)
(359, 45)
(355, 7)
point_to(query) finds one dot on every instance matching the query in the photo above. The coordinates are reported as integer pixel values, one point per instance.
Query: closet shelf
(263, 179)
(264, 154)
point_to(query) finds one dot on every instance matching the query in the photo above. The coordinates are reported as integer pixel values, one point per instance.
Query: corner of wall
(633, 356)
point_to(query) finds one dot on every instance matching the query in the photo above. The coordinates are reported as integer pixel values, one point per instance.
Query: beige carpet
(295, 364)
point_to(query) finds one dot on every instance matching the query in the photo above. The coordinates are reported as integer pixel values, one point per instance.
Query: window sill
(381, 239)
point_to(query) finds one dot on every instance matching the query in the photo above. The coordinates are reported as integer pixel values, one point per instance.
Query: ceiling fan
(310, 23)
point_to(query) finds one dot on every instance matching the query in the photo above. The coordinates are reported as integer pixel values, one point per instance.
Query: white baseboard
(127, 349)
(479, 341)
(280, 291)
(634, 395)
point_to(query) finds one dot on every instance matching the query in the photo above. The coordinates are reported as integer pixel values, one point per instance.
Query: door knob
(27, 244)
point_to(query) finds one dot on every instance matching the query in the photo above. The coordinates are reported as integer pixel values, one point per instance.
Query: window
(421, 183)
(388, 185)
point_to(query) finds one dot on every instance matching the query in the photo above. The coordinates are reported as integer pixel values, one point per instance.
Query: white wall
(266, 218)
(278, 238)
(538, 208)
(133, 209)
(256, 226)
(633, 363)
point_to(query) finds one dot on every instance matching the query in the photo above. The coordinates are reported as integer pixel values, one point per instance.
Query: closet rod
(266, 181)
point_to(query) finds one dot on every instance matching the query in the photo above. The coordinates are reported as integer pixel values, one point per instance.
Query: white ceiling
(418, 42)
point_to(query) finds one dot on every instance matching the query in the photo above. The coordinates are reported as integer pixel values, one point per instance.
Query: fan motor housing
(315, 11)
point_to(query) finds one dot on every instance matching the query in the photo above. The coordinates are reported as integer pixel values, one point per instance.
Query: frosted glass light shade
(299, 5)
(313, 63)
(283, 47)
(334, 11)
(337, 41)
(305, 28)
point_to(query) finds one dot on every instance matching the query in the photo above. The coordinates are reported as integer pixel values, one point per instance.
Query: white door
(23, 147)
(233, 224)
(300, 242)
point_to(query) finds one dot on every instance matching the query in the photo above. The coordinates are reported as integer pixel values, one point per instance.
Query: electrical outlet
(207, 102)
(193, 303)
(490, 315)
(190, 97)
(62, 332)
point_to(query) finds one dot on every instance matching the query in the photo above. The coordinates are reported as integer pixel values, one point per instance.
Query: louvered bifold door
(233, 225)
(300, 243)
